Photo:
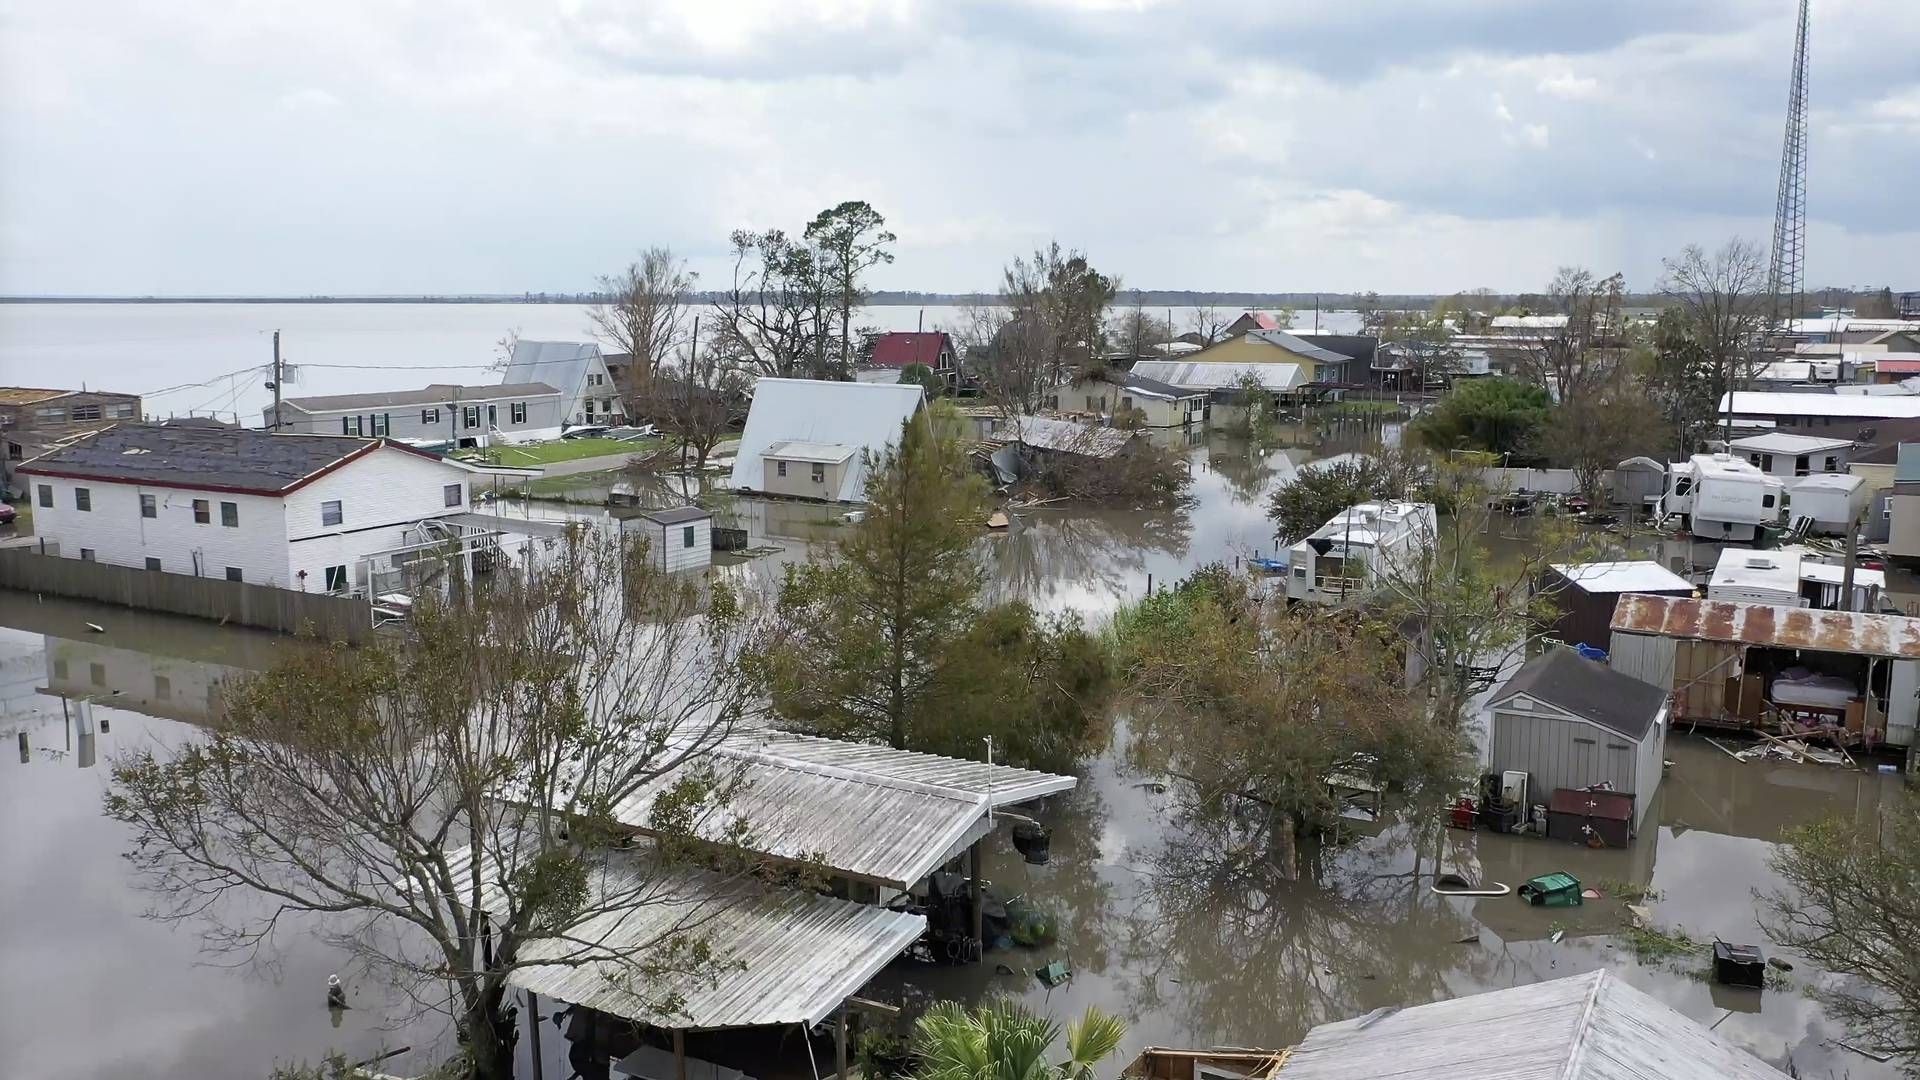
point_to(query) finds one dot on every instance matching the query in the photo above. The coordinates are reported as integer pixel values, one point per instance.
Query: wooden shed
(1568, 722)
(1586, 594)
(677, 539)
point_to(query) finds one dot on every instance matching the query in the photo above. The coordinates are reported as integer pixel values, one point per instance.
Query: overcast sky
(236, 146)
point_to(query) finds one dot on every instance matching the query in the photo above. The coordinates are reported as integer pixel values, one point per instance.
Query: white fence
(1558, 481)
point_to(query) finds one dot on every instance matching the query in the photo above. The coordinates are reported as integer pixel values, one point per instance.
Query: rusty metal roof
(1776, 627)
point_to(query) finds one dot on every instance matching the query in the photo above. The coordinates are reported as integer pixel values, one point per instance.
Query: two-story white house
(578, 371)
(440, 414)
(300, 512)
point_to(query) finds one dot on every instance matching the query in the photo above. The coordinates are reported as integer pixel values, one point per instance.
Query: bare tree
(1052, 318)
(1139, 330)
(697, 401)
(1722, 296)
(1209, 323)
(771, 314)
(1425, 342)
(642, 310)
(1582, 353)
(848, 239)
(443, 803)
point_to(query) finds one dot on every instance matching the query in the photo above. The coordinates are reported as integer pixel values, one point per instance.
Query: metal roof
(1067, 436)
(1618, 577)
(1836, 481)
(1857, 632)
(886, 816)
(1587, 689)
(436, 394)
(1152, 387)
(562, 364)
(1203, 375)
(1582, 1027)
(796, 450)
(1298, 346)
(1852, 406)
(780, 955)
(204, 458)
(28, 395)
(867, 416)
(1779, 442)
(679, 515)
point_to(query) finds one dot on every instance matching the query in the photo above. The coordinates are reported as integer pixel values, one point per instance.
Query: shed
(1831, 501)
(1587, 592)
(1638, 481)
(1722, 661)
(680, 538)
(1582, 1027)
(850, 422)
(1569, 722)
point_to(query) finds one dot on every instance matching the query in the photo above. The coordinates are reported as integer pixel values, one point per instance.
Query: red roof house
(896, 350)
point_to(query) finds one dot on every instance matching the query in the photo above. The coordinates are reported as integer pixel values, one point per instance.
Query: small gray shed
(677, 539)
(1568, 722)
(1637, 481)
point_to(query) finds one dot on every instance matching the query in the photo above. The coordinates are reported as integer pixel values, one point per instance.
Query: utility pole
(276, 382)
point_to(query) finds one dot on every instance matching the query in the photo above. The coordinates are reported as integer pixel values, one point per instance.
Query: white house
(1778, 453)
(811, 438)
(677, 539)
(438, 414)
(1162, 404)
(300, 512)
(1346, 558)
(578, 371)
(1720, 497)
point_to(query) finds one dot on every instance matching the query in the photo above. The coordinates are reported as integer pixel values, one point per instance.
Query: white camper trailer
(1345, 558)
(1719, 497)
(1831, 502)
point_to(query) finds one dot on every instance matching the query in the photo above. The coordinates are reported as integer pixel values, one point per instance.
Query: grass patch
(560, 487)
(1654, 946)
(547, 453)
(1621, 890)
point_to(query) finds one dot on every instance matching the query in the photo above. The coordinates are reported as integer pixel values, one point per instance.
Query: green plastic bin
(1558, 889)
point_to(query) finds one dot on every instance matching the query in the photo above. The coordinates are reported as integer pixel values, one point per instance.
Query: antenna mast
(1784, 282)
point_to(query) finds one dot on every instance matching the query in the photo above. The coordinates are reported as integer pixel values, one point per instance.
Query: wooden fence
(333, 618)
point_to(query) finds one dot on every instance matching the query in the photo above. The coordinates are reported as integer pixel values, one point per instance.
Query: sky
(406, 146)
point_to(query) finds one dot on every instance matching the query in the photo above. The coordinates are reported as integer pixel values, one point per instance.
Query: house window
(60, 669)
(1126, 402)
(83, 499)
(86, 412)
(517, 412)
(686, 537)
(56, 415)
(162, 688)
(230, 515)
(1800, 465)
(1832, 464)
(153, 564)
(46, 495)
(86, 554)
(330, 513)
(782, 467)
(606, 405)
(233, 573)
(382, 423)
(149, 507)
(1766, 501)
(202, 512)
(452, 493)
(14, 453)
(819, 473)
(349, 425)
(122, 411)
(470, 416)
(429, 416)
(336, 579)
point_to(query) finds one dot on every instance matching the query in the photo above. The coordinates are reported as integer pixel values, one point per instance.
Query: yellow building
(1276, 347)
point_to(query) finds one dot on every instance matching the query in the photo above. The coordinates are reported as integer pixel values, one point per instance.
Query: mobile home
(1346, 558)
(1719, 497)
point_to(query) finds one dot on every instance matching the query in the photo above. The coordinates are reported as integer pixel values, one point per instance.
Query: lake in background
(143, 348)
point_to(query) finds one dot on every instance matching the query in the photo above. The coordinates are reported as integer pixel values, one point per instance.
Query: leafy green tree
(887, 639)
(1852, 907)
(1316, 494)
(1002, 1040)
(929, 379)
(1498, 415)
(849, 239)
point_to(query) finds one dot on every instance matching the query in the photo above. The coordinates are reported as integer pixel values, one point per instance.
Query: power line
(206, 382)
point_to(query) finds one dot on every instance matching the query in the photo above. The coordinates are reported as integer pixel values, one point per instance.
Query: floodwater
(1180, 932)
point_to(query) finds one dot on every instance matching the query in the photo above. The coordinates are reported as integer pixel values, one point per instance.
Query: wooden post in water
(975, 899)
(839, 1043)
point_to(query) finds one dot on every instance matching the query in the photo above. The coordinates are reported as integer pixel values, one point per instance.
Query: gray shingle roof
(1300, 346)
(1565, 679)
(436, 394)
(220, 459)
(1154, 386)
(679, 515)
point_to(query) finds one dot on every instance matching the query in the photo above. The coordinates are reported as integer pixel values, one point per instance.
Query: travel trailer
(1720, 497)
(1345, 558)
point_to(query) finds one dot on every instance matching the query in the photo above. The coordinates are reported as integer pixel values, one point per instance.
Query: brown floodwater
(1190, 938)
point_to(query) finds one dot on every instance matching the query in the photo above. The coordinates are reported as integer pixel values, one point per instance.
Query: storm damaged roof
(1859, 632)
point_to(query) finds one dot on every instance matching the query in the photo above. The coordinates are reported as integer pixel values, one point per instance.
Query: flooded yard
(1192, 939)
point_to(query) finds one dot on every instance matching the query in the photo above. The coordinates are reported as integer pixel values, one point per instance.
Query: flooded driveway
(1192, 939)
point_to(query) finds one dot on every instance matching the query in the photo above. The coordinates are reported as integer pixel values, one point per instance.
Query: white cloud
(1567, 85)
(309, 98)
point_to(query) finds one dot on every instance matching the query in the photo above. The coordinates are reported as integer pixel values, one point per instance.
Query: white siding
(667, 545)
(118, 534)
(379, 495)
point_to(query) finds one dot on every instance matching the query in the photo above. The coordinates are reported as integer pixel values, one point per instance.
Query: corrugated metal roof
(1583, 1027)
(781, 956)
(870, 812)
(1779, 442)
(1203, 375)
(560, 364)
(1062, 435)
(1759, 624)
(1642, 575)
(1298, 346)
(863, 415)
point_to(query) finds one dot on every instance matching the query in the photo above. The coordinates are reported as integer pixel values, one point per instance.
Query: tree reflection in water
(1089, 550)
